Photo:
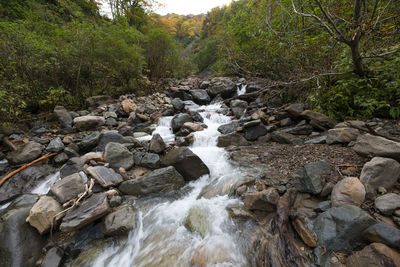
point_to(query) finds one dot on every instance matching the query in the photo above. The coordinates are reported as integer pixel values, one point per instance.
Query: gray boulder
(150, 160)
(299, 130)
(188, 164)
(231, 139)
(342, 135)
(108, 137)
(89, 142)
(282, 137)
(319, 120)
(178, 121)
(222, 86)
(295, 110)
(27, 153)
(200, 96)
(238, 107)
(63, 116)
(157, 144)
(20, 244)
(118, 156)
(73, 165)
(93, 208)
(310, 178)
(120, 221)
(379, 172)
(340, 229)
(228, 128)
(69, 187)
(106, 177)
(383, 233)
(55, 145)
(86, 123)
(371, 145)
(161, 180)
(388, 203)
(178, 104)
(254, 132)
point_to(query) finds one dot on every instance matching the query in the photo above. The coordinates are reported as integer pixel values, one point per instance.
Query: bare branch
(331, 22)
(381, 13)
(374, 10)
(383, 54)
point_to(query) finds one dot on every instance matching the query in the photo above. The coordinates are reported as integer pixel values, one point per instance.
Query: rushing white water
(44, 187)
(242, 90)
(4, 206)
(161, 239)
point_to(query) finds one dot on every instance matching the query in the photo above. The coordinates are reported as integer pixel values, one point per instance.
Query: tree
(349, 23)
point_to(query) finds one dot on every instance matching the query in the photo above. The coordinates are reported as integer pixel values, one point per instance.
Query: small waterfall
(44, 187)
(241, 90)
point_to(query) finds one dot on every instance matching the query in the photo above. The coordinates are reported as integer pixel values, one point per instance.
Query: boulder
(299, 130)
(197, 221)
(254, 132)
(108, 137)
(188, 164)
(89, 142)
(388, 203)
(349, 191)
(375, 254)
(192, 127)
(118, 156)
(63, 116)
(120, 221)
(282, 137)
(228, 128)
(69, 187)
(178, 104)
(24, 182)
(383, 233)
(371, 145)
(353, 124)
(161, 180)
(73, 165)
(379, 172)
(27, 153)
(42, 215)
(231, 139)
(128, 106)
(20, 244)
(221, 86)
(310, 178)
(317, 140)
(342, 135)
(262, 200)
(200, 96)
(340, 229)
(178, 121)
(213, 254)
(238, 107)
(150, 160)
(106, 177)
(53, 257)
(295, 110)
(55, 145)
(157, 144)
(86, 123)
(93, 208)
(318, 120)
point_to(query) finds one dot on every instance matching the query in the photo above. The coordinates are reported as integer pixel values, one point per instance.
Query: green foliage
(207, 55)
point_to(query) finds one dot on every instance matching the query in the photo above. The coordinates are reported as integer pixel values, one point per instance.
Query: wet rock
(262, 200)
(322, 206)
(205, 84)
(238, 107)
(342, 135)
(108, 137)
(42, 215)
(69, 187)
(221, 86)
(157, 144)
(98, 100)
(118, 156)
(231, 139)
(285, 138)
(128, 106)
(197, 221)
(178, 104)
(196, 116)
(24, 181)
(319, 120)
(89, 142)
(295, 110)
(188, 164)
(388, 203)
(309, 179)
(27, 153)
(90, 253)
(212, 255)
(73, 165)
(178, 121)
(228, 128)
(383, 233)
(55, 145)
(371, 145)
(120, 221)
(161, 180)
(305, 233)
(106, 177)
(115, 201)
(349, 191)
(53, 258)
(63, 116)
(375, 254)
(200, 96)
(86, 123)
(317, 140)
(90, 210)
(239, 212)
(252, 133)
(150, 160)
(111, 122)
(192, 127)
(20, 244)
(299, 130)
(339, 229)
(379, 172)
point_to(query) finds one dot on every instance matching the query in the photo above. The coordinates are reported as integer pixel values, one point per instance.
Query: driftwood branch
(9, 144)
(8, 176)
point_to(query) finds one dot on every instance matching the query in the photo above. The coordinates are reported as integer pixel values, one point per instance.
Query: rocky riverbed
(205, 173)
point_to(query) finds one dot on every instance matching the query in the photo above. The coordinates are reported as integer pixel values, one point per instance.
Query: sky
(185, 7)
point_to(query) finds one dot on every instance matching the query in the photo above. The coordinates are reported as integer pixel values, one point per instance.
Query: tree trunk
(356, 57)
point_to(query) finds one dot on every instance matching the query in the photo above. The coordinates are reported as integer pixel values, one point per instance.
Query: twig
(8, 176)
(9, 143)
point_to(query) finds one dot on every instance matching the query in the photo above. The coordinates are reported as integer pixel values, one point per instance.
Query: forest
(343, 54)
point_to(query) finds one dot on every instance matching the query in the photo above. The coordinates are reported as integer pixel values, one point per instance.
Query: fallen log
(8, 176)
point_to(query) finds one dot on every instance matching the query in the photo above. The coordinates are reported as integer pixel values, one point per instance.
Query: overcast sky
(185, 7)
